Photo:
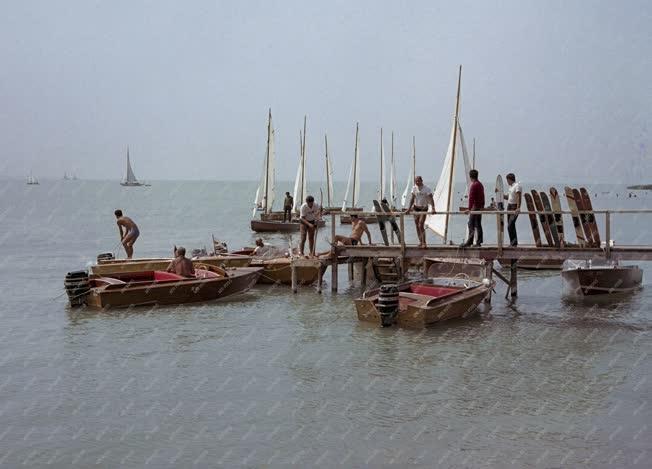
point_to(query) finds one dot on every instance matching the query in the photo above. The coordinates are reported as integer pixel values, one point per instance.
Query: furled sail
(329, 177)
(393, 196)
(300, 193)
(410, 182)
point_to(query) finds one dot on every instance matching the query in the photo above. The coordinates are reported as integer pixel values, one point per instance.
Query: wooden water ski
(559, 219)
(550, 218)
(500, 205)
(542, 218)
(584, 219)
(381, 222)
(533, 219)
(391, 219)
(586, 199)
(577, 224)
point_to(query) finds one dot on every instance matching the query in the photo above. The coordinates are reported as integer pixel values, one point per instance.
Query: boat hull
(534, 264)
(418, 311)
(602, 280)
(279, 271)
(116, 266)
(122, 295)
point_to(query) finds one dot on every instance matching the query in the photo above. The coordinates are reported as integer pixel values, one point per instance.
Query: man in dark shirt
(288, 203)
(476, 202)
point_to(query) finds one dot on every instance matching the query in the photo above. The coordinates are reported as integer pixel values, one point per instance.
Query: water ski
(500, 206)
(533, 219)
(577, 224)
(381, 221)
(595, 233)
(391, 218)
(542, 217)
(588, 232)
(550, 218)
(559, 219)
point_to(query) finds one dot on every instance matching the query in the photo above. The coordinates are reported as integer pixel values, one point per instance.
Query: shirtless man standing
(130, 235)
(358, 228)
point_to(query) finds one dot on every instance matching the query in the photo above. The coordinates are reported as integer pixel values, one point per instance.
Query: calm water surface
(275, 379)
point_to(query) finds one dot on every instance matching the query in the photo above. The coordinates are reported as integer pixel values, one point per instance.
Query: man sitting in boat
(131, 232)
(310, 215)
(358, 228)
(181, 265)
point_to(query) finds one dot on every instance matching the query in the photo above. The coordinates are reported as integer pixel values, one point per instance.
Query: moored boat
(115, 266)
(422, 303)
(149, 288)
(276, 226)
(278, 270)
(582, 279)
(534, 263)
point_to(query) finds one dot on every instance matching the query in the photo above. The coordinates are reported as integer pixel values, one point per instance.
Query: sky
(553, 91)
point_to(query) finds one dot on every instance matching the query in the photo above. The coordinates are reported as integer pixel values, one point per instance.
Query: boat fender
(486, 282)
(105, 256)
(388, 304)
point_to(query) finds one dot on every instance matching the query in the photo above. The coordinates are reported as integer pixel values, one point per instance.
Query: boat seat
(432, 290)
(160, 275)
(108, 281)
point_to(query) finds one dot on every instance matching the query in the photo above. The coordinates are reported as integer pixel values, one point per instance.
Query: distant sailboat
(353, 184)
(444, 189)
(31, 180)
(130, 178)
(65, 176)
(329, 181)
(393, 196)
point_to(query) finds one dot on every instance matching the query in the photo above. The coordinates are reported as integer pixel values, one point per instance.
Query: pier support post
(320, 277)
(363, 279)
(294, 277)
(489, 275)
(334, 264)
(513, 279)
(351, 264)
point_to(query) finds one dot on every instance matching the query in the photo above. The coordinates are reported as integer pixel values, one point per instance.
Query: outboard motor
(388, 304)
(77, 287)
(105, 256)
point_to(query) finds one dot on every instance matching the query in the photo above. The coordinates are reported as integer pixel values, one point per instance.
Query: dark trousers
(475, 228)
(511, 226)
(287, 212)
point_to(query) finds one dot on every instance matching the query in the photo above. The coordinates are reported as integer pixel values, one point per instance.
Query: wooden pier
(407, 253)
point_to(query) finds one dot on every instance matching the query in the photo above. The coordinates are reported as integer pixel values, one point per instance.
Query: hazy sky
(551, 90)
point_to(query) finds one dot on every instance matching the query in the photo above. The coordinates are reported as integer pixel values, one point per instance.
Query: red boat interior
(432, 290)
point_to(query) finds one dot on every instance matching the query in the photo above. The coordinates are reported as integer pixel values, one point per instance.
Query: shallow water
(271, 378)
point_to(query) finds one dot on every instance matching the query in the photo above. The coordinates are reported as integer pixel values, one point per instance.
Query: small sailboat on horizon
(31, 180)
(130, 178)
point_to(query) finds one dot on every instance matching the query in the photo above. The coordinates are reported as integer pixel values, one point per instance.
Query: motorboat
(583, 278)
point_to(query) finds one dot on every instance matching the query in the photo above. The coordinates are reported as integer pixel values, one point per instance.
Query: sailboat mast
(473, 166)
(382, 157)
(269, 133)
(303, 161)
(328, 175)
(414, 156)
(355, 163)
(392, 189)
(450, 177)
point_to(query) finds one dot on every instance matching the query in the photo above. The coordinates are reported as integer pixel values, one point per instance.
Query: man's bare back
(130, 234)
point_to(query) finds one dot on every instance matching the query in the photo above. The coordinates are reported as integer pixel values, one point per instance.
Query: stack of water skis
(547, 208)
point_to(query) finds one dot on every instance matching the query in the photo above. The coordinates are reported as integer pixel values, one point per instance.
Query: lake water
(273, 379)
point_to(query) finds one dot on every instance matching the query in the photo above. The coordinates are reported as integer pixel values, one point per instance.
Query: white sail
(130, 177)
(265, 193)
(410, 182)
(300, 192)
(382, 183)
(438, 222)
(353, 183)
(465, 156)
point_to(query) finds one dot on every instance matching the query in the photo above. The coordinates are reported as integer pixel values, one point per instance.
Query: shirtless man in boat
(358, 228)
(130, 234)
(181, 265)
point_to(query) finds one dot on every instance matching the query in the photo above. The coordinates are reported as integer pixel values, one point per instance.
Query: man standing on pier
(130, 234)
(288, 203)
(310, 215)
(476, 202)
(421, 199)
(513, 205)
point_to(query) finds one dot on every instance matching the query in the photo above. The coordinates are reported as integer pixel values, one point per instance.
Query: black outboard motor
(77, 287)
(105, 256)
(388, 304)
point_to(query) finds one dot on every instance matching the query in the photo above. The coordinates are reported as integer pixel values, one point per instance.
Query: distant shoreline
(641, 187)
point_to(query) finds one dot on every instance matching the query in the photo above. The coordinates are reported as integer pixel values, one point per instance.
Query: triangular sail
(329, 176)
(381, 189)
(265, 193)
(393, 196)
(131, 177)
(300, 193)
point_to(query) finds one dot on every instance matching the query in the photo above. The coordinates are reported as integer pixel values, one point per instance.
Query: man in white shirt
(513, 198)
(421, 198)
(310, 213)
